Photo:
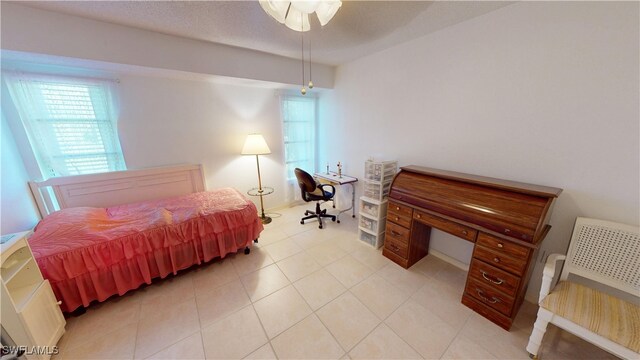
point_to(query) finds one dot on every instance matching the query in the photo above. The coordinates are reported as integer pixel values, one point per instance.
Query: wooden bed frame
(116, 188)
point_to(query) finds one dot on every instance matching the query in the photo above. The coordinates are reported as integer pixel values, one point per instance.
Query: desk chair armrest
(333, 189)
(548, 274)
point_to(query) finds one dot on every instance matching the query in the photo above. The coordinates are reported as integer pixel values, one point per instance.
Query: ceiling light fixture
(295, 15)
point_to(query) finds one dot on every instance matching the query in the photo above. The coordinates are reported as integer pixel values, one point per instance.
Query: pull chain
(303, 90)
(309, 46)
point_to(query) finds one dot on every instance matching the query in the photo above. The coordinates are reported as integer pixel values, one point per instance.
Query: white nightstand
(30, 312)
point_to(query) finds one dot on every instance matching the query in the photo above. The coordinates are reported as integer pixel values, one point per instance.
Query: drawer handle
(493, 299)
(497, 281)
(419, 216)
(500, 245)
(397, 207)
(397, 218)
(394, 248)
(507, 230)
(465, 232)
(395, 233)
(59, 303)
(496, 259)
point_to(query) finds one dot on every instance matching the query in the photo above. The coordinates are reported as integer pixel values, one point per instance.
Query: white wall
(167, 121)
(17, 209)
(166, 116)
(545, 93)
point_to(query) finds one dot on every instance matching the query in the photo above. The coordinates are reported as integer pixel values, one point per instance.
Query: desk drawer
(494, 277)
(499, 260)
(452, 228)
(488, 296)
(398, 248)
(398, 233)
(399, 214)
(503, 246)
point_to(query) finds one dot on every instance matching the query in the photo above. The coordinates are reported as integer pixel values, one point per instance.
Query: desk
(506, 221)
(333, 179)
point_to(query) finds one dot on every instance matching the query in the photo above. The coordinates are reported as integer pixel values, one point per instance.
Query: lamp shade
(255, 145)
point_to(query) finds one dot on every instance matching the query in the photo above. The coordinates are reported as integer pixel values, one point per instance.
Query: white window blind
(70, 124)
(299, 124)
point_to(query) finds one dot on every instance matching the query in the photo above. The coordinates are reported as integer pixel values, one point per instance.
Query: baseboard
(449, 259)
(285, 206)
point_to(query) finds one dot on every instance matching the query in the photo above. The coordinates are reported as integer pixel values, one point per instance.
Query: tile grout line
(264, 331)
(346, 351)
(204, 350)
(253, 303)
(178, 340)
(458, 333)
(313, 312)
(393, 312)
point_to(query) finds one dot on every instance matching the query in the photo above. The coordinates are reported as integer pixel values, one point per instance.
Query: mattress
(90, 254)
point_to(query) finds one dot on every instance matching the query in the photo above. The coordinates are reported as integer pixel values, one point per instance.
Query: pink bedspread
(92, 253)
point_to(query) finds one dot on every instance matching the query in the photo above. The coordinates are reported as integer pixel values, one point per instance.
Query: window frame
(314, 138)
(21, 122)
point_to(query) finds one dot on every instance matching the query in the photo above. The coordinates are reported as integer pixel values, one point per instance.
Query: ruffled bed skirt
(90, 254)
(128, 274)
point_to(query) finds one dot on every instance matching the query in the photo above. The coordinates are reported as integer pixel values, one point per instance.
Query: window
(299, 124)
(69, 122)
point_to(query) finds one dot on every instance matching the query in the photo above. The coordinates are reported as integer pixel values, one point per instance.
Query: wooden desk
(506, 220)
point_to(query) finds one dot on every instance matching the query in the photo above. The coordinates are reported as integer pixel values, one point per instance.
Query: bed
(110, 233)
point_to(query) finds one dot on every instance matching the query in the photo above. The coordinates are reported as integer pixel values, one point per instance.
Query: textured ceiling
(358, 29)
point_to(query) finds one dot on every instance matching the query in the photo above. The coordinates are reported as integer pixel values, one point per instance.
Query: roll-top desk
(506, 220)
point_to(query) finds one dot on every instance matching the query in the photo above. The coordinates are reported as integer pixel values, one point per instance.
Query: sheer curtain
(299, 134)
(70, 122)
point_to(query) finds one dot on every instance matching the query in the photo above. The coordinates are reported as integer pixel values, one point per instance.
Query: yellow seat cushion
(603, 314)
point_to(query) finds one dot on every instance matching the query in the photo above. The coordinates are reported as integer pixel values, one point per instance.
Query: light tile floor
(306, 293)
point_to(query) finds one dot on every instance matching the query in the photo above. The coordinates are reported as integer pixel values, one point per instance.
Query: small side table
(264, 191)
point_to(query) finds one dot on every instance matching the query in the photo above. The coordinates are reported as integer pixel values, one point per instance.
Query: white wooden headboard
(116, 188)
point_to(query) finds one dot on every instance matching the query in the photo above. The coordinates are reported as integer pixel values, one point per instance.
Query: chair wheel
(338, 221)
(247, 251)
(320, 227)
(301, 221)
(333, 219)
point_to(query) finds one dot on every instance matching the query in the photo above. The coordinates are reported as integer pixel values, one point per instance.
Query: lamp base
(265, 219)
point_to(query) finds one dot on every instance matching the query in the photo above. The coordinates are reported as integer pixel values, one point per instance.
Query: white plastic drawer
(374, 190)
(380, 171)
(373, 208)
(375, 240)
(372, 224)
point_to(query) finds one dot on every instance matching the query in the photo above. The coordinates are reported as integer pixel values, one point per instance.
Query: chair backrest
(606, 252)
(306, 182)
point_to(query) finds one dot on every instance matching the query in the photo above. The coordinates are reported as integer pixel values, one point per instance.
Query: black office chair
(314, 192)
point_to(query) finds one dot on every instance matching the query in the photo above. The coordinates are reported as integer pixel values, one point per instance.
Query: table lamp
(255, 145)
